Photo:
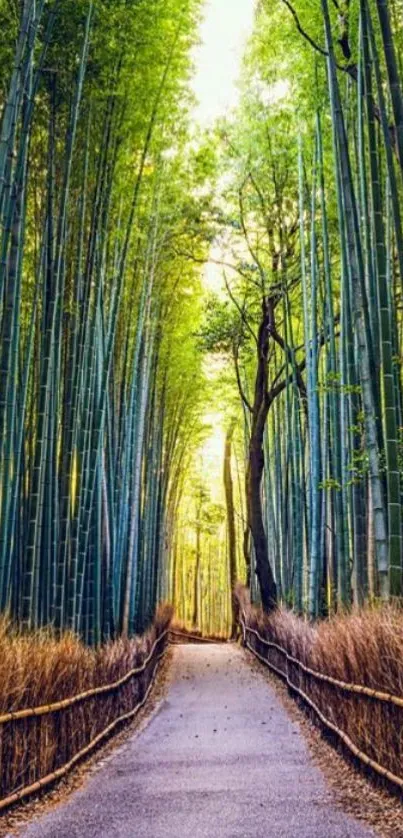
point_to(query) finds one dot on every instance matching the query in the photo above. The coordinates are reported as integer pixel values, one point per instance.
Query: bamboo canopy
(118, 359)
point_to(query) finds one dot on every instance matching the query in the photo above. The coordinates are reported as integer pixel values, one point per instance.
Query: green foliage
(101, 384)
(221, 328)
(314, 93)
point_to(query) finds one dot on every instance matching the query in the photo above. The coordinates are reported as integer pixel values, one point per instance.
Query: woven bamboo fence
(368, 722)
(41, 744)
(179, 637)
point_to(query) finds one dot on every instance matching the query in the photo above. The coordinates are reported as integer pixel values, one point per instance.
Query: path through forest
(220, 760)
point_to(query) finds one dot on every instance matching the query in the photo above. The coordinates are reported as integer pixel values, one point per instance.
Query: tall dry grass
(363, 648)
(39, 669)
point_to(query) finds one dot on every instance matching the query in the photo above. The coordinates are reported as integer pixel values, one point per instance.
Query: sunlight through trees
(200, 314)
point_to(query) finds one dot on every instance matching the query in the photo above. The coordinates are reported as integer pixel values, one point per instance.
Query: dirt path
(220, 760)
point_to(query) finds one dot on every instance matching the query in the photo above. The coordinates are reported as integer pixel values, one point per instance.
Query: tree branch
(278, 388)
(302, 31)
(240, 310)
(238, 378)
(246, 235)
(349, 68)
(295, 368)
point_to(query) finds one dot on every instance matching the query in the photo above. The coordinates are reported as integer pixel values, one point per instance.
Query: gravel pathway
(220, 760)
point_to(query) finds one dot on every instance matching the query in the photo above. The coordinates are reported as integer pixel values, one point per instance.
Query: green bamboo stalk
(349, 223)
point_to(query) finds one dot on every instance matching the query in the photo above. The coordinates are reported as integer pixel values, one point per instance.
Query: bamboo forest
(201, 416)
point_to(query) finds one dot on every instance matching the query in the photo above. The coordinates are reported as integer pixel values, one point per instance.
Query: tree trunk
(254, 474)
(195, 620)
(267, 584)
(229, 497)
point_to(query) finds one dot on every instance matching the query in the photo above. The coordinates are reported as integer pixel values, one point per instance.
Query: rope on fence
(42, 783)
(353, 688)
(46, 709)
(195, 637)
(357, 753)
(29, 712)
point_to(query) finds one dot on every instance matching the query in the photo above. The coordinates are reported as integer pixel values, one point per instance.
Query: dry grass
(38, 670)
(364, 648)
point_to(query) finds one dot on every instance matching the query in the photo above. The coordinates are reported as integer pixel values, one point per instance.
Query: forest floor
(222, 757)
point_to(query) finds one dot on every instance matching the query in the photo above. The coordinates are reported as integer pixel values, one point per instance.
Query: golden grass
(364, 648)
(39, 669)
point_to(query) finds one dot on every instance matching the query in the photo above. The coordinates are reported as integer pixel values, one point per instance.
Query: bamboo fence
(179, 638)
(367, 721)
(40, 745)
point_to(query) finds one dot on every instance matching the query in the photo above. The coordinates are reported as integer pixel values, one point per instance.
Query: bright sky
(224, 32)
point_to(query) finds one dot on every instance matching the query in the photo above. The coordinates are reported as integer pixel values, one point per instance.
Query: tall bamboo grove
(91, 155)
(313, 321)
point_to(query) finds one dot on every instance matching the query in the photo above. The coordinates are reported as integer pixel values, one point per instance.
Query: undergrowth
(364, 647)
(40, 669)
